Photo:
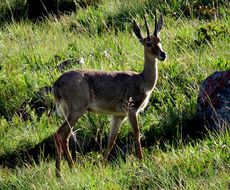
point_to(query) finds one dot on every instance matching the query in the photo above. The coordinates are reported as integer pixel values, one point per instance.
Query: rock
(213, 104)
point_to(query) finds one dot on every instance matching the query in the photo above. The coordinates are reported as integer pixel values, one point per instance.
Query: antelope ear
(137, 31)
(159, 25)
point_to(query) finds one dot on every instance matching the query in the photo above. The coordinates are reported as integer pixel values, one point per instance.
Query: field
(196, 39)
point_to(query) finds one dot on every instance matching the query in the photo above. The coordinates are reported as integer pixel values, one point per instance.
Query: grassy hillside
(196, 39)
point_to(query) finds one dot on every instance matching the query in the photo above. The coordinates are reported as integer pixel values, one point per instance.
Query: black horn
(155, 30)
(147, 28)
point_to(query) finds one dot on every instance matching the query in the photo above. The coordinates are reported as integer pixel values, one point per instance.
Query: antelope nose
(163, 55)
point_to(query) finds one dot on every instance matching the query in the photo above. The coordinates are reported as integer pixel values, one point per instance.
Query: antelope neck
(150, 72)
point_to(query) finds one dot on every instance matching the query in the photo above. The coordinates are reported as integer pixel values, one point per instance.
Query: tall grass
(30, 52)
(103, 38)
(203, 165)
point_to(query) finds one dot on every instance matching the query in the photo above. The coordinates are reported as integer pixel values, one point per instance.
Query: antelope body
(120, 94)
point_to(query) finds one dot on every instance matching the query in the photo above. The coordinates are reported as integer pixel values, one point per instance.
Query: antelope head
(152, 44)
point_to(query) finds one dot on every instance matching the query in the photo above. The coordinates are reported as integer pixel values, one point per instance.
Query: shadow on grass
(39, 9)
(124, 146)
(29, 155)
(16, 10)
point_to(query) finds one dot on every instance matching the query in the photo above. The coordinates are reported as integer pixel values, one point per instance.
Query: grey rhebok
(120, 94)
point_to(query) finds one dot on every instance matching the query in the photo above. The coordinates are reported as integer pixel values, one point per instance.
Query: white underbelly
(98, 107)
(114, 108)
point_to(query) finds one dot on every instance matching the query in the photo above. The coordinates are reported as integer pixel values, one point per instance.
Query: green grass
(29, 53)
(201, 166)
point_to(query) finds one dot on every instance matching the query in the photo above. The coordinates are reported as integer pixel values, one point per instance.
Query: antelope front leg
(115, 124)
(136, 133)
